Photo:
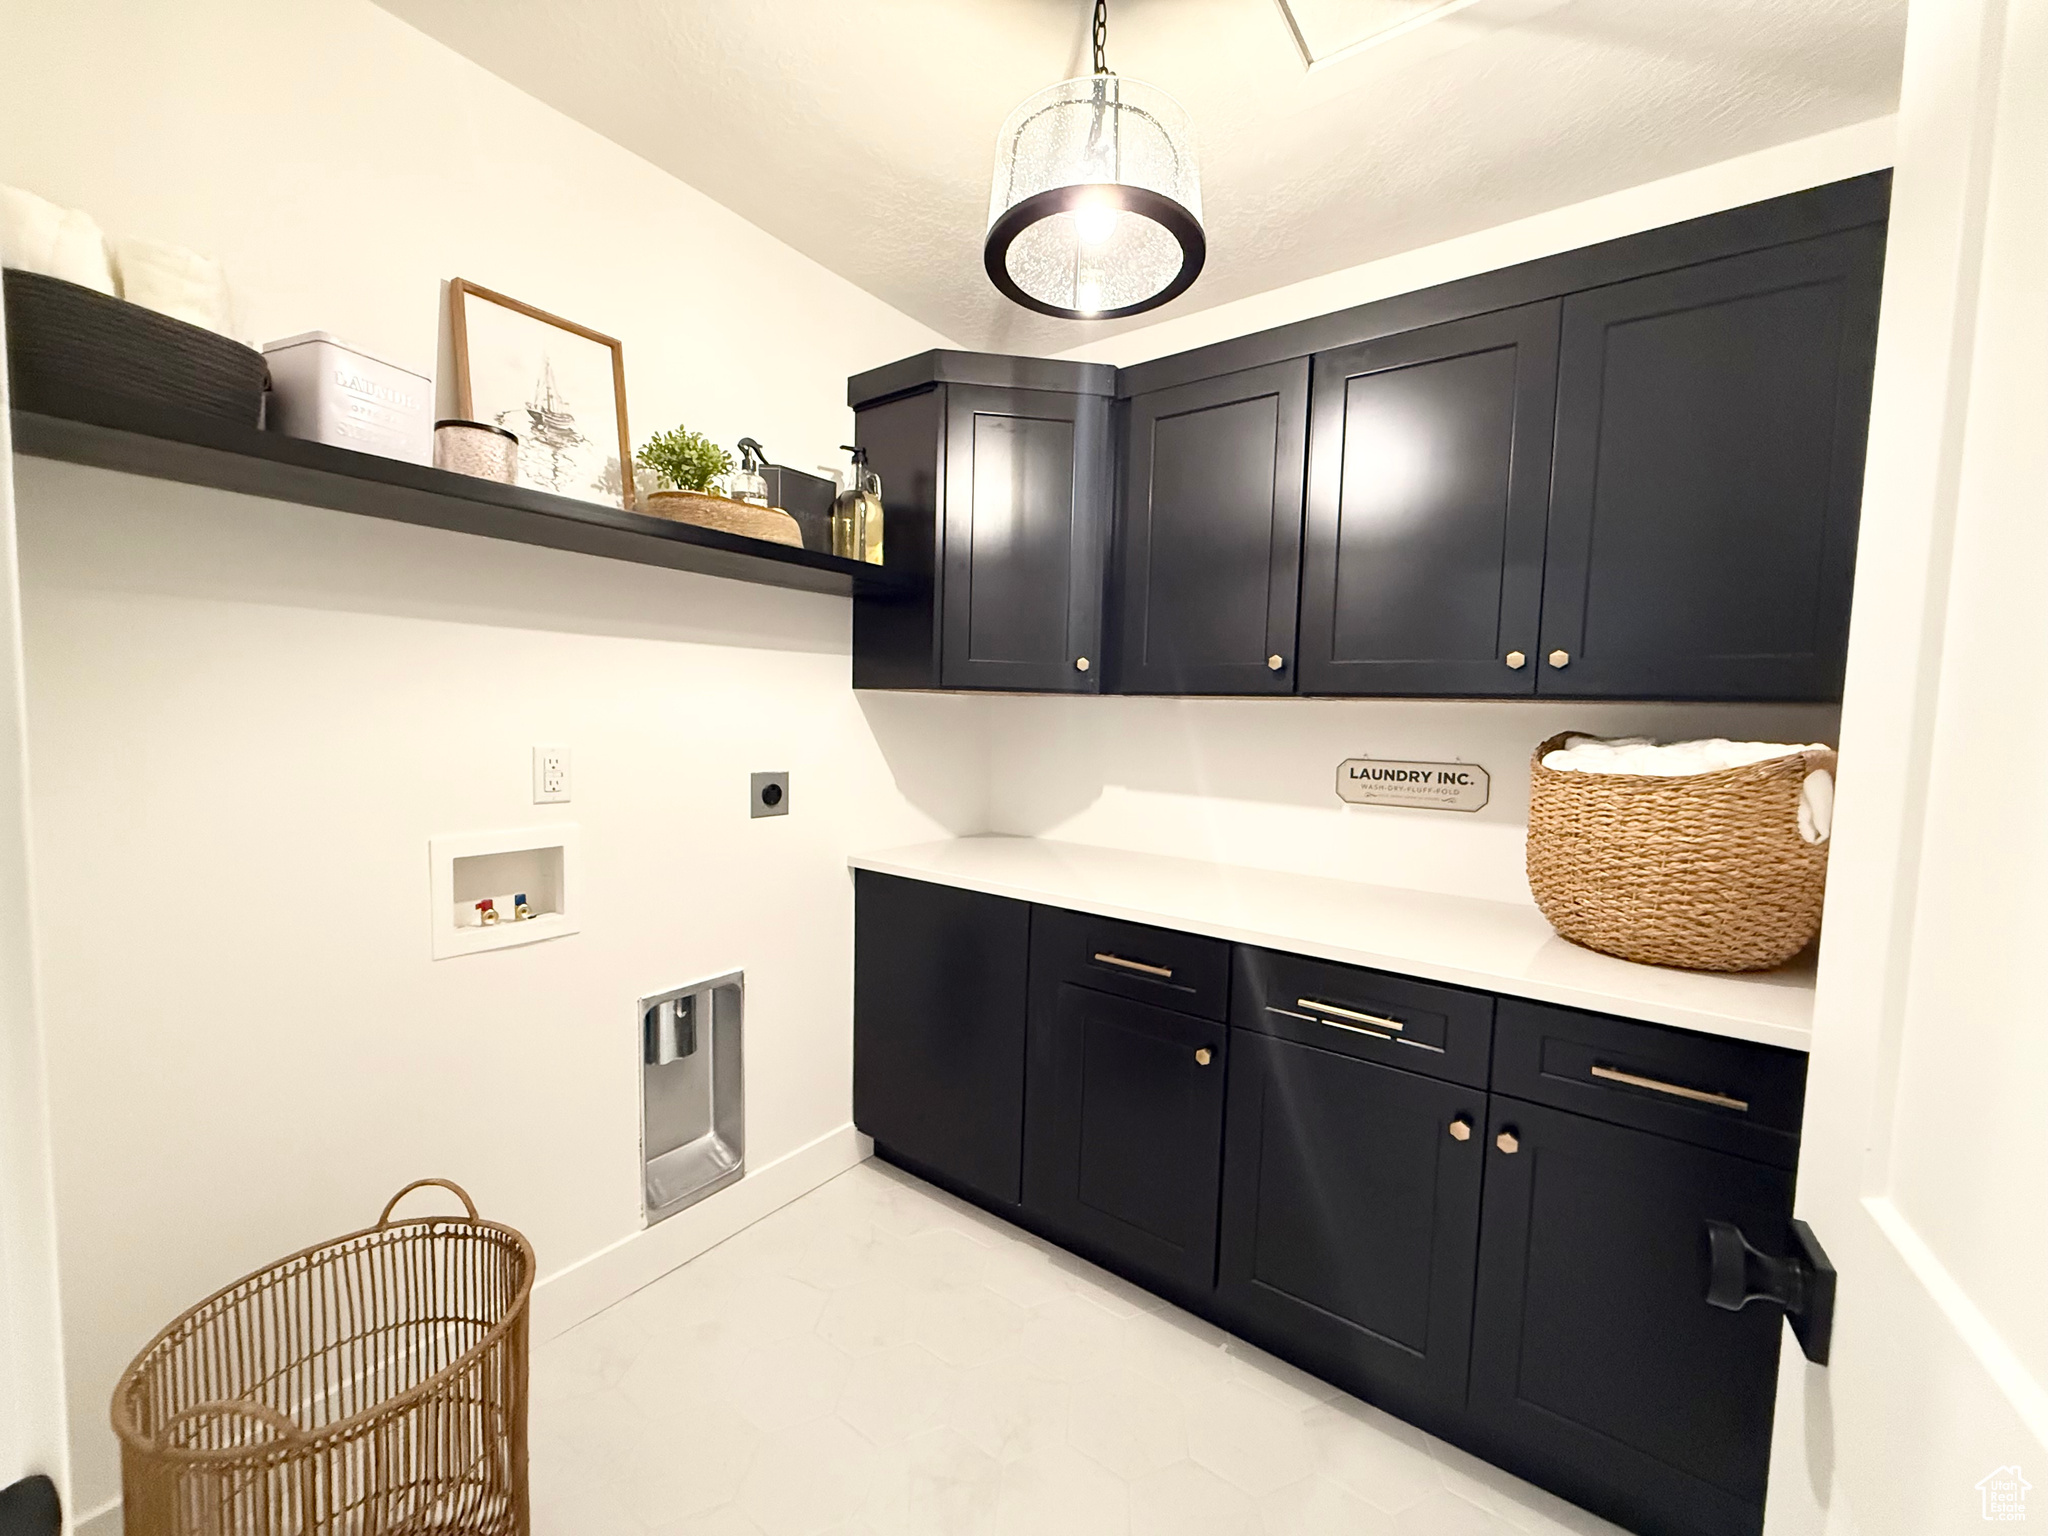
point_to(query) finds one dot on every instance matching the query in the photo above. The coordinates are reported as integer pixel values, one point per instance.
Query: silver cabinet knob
(1080, 663)
(1560, 658)
(1508, 1141)
(1461, 1128)
(1274, 663)
(1516, 660)
(1203, 1056)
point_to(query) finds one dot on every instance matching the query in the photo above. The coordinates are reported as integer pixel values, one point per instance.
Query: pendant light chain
(1102, 38)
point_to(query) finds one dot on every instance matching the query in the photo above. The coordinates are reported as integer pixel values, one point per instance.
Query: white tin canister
(322, 388)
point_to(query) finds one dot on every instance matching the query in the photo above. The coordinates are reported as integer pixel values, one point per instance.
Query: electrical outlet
(550, 775)
(769, 794)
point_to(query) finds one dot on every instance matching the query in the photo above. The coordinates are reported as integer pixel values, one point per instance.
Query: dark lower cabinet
(1488, 1216)
(1124, 1140)
(1351, 1218)
(939, 1028)
(1598, 1368)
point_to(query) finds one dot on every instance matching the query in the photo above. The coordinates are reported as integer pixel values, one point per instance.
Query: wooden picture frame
(460, 292)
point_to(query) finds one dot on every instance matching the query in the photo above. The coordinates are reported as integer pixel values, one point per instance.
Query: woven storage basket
(1707, 871)
(371, 1386)
(727, 516)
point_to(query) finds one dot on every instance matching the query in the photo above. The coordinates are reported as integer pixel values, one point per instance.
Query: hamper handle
(238, 1407)
(460, 1194)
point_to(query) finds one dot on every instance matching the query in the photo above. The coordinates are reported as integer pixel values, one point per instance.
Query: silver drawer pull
(1697, 1095)
(1334, 1011)
(1163, 972)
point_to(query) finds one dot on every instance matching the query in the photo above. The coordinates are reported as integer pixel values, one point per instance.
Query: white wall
(1826, 157)
(249, 717)
(1253, 781)
(32, 1426)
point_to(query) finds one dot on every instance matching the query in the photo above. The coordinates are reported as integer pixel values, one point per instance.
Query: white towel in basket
(38, 236)
(1643, 756)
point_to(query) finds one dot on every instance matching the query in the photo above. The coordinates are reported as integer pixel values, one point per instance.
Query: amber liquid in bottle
(849, 527)
(871, 518)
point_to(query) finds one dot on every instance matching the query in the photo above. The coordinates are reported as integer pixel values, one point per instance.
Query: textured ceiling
(863, 134)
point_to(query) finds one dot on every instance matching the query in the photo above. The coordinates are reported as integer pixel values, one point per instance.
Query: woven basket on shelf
(372, 1386)
(727, 516)
(1706, 871)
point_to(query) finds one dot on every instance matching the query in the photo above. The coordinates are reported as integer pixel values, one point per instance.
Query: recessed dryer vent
(693, 1126)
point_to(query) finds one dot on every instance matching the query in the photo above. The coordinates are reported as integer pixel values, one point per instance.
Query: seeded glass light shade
(1097, 206)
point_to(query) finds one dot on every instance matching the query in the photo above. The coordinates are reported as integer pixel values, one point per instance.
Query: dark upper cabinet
(1631, 470)
(939, 995)
(1124, 1127)
(1709, 468)
(1209, 535)
(997, 504)
(1351, 1219)
(1598, 1367)
(1428, 483)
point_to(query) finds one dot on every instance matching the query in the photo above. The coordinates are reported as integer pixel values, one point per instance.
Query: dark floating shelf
(107, 432)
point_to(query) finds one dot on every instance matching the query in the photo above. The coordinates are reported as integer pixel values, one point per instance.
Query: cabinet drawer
(1182, 971)
(1730, 1095)
(1441, 1032)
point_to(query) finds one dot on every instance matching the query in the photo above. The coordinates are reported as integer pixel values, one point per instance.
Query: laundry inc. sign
(1420, 786)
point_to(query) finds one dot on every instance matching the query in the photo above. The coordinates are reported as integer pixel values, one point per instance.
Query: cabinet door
(1709, 471)
(1428, 484)
(1028, 486)
(1210, 534)
(1598, 1369)
(1351, 1217)
(940, 987)
(1125, 1140)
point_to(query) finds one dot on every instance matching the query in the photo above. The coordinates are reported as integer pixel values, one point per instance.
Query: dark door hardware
(1803, 1282)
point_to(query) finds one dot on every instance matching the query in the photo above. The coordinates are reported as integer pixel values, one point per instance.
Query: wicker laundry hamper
(1705, 871)
(371, 1386)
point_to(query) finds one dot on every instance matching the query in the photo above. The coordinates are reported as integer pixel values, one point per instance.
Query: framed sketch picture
(558, 386)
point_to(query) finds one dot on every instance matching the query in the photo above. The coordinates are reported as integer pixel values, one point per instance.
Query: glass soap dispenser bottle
(857, 513)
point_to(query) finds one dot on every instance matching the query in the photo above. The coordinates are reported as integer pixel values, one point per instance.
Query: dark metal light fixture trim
(1096, 208)
(1160, 209)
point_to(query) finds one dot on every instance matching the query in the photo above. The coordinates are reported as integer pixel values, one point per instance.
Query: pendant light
(1096, 211)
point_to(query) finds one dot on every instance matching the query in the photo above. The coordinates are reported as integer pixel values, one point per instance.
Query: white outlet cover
(550, 775)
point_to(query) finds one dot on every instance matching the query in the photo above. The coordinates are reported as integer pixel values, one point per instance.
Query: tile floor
(879, 1359)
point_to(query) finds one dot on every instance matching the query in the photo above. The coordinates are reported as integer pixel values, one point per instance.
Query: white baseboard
(587, 1287)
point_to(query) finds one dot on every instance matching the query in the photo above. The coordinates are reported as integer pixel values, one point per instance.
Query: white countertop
(1494, 946)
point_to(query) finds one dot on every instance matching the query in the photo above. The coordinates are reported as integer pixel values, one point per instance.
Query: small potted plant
(688, 464)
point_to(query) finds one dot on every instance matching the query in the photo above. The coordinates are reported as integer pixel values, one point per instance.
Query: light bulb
(1095, 223)
(1088, 296)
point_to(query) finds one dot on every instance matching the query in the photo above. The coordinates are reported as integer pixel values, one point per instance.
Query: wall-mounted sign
(1422, 786)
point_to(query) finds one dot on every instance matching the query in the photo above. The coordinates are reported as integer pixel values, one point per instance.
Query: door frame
(1926, 1393)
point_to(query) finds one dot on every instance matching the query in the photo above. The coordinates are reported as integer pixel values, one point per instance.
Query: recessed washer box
(470, 867)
